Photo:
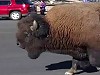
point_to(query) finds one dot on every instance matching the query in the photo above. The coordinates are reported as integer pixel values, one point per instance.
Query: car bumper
(24, 14)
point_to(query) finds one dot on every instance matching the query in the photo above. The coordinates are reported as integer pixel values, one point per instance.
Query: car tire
(15, 15)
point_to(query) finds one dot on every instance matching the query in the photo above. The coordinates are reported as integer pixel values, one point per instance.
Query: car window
(23, 2)
(27, 2)
(4, 2)
(19, 2)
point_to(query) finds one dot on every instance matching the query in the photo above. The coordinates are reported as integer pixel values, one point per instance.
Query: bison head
(31, 35)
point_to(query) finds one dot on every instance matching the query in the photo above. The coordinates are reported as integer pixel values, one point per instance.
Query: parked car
(15, 9)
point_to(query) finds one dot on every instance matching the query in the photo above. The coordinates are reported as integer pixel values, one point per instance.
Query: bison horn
(34, 26)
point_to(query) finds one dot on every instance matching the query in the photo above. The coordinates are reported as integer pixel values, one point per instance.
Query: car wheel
(15, 15)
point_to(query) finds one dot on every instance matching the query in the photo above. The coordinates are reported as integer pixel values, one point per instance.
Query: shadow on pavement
(67, 65)
(4, 19)
(60, 65)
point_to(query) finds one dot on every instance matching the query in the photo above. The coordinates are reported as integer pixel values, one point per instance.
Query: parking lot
(14, 60)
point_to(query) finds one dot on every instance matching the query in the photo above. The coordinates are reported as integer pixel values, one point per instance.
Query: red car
(15, 9)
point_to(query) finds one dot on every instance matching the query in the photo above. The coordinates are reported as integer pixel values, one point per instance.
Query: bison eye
(26, 33)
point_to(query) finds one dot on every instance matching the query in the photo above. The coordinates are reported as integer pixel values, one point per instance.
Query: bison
(66, 29)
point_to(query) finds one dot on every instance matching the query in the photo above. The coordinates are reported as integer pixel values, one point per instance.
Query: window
(23, 2)
(19, 1)
(4, 2)
(27, 2)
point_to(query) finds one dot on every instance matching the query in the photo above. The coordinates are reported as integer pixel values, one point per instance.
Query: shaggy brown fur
(72, 27)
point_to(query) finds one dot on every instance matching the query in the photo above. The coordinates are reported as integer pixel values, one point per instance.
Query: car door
(4, 4)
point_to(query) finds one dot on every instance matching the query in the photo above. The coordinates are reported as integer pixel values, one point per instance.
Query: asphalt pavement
(14, 60)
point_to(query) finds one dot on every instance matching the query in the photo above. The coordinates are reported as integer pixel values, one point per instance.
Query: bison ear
(34, 26)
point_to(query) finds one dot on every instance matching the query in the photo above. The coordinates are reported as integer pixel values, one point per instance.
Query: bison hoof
(98, 68)
(68, 73)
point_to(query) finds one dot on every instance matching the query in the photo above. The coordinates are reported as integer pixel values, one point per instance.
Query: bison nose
(20, 45)
(17, 43)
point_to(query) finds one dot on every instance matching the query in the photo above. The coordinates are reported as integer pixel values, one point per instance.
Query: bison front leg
(73, 69)
(94, 57)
